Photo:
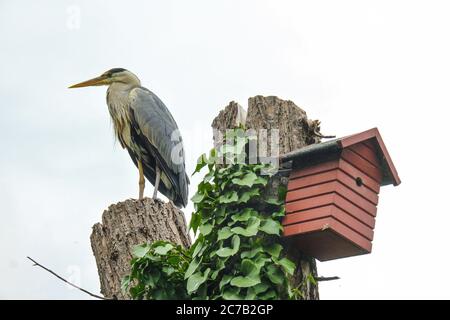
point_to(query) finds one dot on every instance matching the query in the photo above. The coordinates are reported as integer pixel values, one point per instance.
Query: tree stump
(295, 131)
(125, 225)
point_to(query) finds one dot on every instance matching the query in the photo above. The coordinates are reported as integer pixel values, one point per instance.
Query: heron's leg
(141, 180)
(157, 179)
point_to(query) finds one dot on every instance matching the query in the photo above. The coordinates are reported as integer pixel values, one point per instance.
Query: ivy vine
(237, 253)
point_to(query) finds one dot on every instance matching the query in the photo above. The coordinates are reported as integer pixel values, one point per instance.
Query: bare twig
(314, 126)
(318, 134)
(326, 278)
(69, 283)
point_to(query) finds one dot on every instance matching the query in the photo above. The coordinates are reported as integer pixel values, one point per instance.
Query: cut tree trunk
(295, 131)
(125, 225)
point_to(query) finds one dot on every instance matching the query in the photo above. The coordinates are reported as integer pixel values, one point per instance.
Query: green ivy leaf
(201, 162)
(244, 215)
(245, 282)
(224, 233)
(261, 260)
(247, 180)
(251, 253)
(220, 265)
(214, 274)
(275, 274)
(249, 268)
(282, 191)
(196, 280)
(229, 197)
(213, 154)
(269, 295)
(125, 283)
(152, 277)
(204, 187)
(168, 270)
(160, 294)
(270, 226)
(274, 201)
(137, 291)
(223, 185)
(141, 250)
(274, 249)
(286, 264)
(162, 250)
(251, 229)
(195, 222)
(250, 294)
(237, 171)
(198, 197)
(197, 246)
(258, 167)
(208, 176)
(247, 195)
(279, 213)
(220, 215)
(206, 229)
(174, 260)
(192, 267)
(225, 280)
(227, 252)
(253, 292)
(231, 293)
(260, 288)
(261, 180)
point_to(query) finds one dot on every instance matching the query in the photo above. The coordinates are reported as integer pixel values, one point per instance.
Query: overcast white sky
(353, 64)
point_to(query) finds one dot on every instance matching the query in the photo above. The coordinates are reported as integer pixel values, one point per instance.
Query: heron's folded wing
(154, 121)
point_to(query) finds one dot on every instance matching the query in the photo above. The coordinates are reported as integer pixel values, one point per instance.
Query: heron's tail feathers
(182, 194)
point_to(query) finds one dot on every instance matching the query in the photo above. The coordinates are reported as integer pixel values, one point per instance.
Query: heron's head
(116, 75)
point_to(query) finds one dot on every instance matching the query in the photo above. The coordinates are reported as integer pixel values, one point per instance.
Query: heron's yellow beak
(99, 81)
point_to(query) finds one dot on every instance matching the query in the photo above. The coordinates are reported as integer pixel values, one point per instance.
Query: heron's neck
(117, 99)
(118, 93)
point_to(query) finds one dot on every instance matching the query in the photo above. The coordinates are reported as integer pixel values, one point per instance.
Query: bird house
(332, 197)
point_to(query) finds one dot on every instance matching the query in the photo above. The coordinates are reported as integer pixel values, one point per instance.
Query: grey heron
(145, 127)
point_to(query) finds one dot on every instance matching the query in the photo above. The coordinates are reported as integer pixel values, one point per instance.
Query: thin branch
(69, 283)
(326, 278)
(318, 134)
(314, 126)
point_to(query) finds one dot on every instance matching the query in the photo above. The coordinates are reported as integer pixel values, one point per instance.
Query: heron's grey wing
(155, 125)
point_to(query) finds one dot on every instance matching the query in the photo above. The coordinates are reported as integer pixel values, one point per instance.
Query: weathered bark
(295, 131)
(125, 225)
(232, 116)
